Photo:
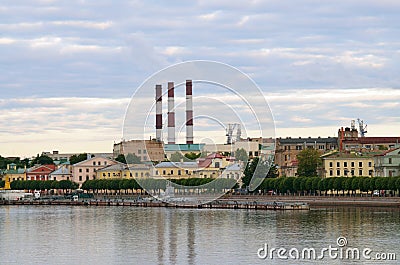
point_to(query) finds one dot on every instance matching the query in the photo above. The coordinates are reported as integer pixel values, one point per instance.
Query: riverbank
(231, 202)
(326, 201)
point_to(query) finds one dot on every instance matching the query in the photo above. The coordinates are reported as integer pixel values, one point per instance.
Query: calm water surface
(124, 235)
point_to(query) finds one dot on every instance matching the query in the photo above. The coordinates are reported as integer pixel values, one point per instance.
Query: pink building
(87, 169)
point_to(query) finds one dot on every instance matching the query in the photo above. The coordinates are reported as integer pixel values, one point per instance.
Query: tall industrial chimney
(171, 114)
(189, 113)
(158, 112)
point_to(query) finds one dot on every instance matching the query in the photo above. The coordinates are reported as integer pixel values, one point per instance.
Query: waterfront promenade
(256, 202)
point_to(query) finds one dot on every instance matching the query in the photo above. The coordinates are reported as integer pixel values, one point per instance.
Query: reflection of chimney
(158, 112)
(189, 113)
(171, 114)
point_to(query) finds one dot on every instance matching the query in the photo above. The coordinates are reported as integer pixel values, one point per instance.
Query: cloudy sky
(69, 68)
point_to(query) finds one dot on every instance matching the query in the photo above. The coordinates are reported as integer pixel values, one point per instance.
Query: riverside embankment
(256, 202)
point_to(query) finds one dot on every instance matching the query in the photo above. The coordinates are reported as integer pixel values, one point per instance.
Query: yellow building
(348, 164)
(175, 170)
(124, 171)
(13, 173)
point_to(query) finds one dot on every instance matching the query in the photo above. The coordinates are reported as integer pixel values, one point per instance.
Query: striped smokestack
(158, 112)
(189, 113)
(171, 114)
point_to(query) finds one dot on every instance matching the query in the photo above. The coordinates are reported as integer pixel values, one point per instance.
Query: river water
(125, 235)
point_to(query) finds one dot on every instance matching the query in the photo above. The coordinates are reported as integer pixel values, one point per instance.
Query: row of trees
(64, 185)
(336, 185)
(119, 186)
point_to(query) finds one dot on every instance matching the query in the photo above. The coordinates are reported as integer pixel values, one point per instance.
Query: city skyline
(69, 69)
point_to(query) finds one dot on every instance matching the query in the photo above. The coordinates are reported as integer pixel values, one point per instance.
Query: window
(99, 163)
(87, 170)
(345, 164)
(104, 174)
(337, 164)
(87, 177)
(139, 152)
(105, 163)
(390, 161)
(80, 178)
(352, 172)
(80, 170)
(256, 153)
(360, 164)
(352, 164)
(360, 172)
(109, 174)
(337, 172)
(164, 172)
(217, 164)
(299, 147)
(250, 153)
(179, 172)
(144, 158)
(172, 171)
(130, 174)
(369, 164)
(321, 147)
(136, 174)
(331, 172)
(331, 165)
(144, 151)
(370, 172)
(141, 174)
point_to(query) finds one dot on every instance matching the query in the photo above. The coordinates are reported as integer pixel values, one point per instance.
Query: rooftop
(309, 140)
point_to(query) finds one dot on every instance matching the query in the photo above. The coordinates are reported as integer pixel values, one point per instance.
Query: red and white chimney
(171, 114)
(189, 112)
(158, 113)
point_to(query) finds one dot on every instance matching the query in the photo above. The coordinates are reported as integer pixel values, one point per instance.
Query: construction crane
(362, 128)
(230, 133)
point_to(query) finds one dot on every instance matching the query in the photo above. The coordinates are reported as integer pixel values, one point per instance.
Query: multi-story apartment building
(349, 140)
(338, 164)
(146, 150)
(288, 148)
(387, 164)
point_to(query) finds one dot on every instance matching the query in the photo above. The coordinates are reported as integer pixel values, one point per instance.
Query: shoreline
(254, 202)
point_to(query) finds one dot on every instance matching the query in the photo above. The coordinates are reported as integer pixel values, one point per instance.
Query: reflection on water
(123, 235)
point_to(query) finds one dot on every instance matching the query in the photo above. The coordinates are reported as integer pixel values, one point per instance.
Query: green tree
(42, 160)
(273, 172)
(2, 183)
(121, 158)
(241, 155)
(309, 161)
(192, 156)
(176, 157)
(255, 172)
(77, 158)
(133, 159)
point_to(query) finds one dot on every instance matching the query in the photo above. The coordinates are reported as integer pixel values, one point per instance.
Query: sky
(70, 68)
